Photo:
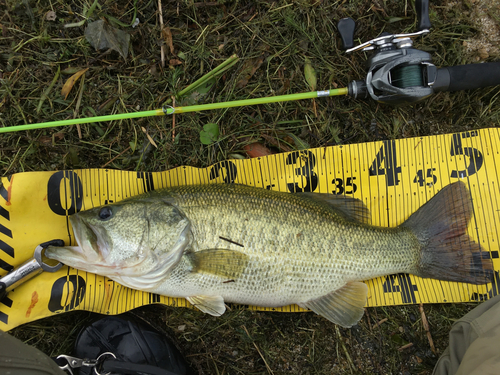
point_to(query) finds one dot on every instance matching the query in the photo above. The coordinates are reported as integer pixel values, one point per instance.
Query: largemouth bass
(233, 243)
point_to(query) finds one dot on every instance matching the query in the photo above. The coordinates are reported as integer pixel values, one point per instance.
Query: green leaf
(299, 143)
(209, 134)
(132, 145)
(395, 19)
(310, 74)
(197, 95)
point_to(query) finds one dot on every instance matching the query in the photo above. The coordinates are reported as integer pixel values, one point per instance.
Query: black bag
(138, 347)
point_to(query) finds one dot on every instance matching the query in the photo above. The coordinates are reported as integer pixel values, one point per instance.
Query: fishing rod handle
(467, 77)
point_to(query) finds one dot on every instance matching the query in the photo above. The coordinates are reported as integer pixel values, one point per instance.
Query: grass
(281, 34)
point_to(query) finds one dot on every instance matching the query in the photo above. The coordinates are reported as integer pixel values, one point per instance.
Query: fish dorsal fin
(213, 305)
(352, 209)
(343, 306)
(219, 262)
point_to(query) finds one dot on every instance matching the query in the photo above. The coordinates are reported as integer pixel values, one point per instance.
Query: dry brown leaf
(68, 85)
(249, 70)
(167, 36)
(175, 62)
(149, 137)
(255, 150)
(45, 140)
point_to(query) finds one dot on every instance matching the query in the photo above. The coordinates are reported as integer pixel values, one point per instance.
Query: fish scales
(297, 248)
(232, 243)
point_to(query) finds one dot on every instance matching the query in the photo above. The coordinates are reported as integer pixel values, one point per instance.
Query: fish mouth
(86, 255)
(87, 239)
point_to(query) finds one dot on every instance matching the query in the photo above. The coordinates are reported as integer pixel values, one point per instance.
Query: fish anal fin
(213, 305)
(344, 306)
(351, 208)
(219, 262)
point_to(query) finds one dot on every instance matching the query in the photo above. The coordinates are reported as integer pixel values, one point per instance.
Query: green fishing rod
(397, 74)
(168, 110)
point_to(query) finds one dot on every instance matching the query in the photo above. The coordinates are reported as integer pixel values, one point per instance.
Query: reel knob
(423, 20)
(346, 28)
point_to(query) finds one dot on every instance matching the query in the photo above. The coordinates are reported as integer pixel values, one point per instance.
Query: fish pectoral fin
(213, 305)
(219, 262)
(344, 306)
(351, 208)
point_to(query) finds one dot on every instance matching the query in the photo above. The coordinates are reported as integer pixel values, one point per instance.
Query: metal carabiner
(74, 362)
(100, 360)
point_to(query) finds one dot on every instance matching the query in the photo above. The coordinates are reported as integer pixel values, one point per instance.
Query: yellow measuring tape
(394, 178)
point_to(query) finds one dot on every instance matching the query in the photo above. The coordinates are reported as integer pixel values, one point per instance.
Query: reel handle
(423, 21)
(346, 28)
(467, 77)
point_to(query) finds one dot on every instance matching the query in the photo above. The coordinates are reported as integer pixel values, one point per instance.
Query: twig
(367, 313)
(78, 103)
(405, 347)
(206, 4)
(351, 364)
(162, 50)
(256, 347)
(380, 322)
(116, 157)
(426, 327)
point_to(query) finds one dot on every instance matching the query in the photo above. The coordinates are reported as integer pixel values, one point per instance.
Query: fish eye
(105, 213)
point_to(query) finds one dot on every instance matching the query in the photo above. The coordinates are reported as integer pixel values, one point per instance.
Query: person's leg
(474, 346)
(17, 358)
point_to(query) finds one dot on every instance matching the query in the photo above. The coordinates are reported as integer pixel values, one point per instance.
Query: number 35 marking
(349, 188)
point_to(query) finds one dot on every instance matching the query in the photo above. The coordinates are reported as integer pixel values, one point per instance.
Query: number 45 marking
(420, 180)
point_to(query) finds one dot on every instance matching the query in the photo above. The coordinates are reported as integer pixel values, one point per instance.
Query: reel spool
(407, 76)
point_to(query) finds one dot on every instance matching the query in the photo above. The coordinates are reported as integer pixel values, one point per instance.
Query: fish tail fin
(447, 251)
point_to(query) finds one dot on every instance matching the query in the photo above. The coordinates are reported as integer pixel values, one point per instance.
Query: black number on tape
(147, 180)
(386, 156)
(4, 318)
(4, 265)
(429, 179)
(5, 247)
(477, 261)
(230, 171)
(495, 284)
(405, 287)
(305, 172)
(474, 155)
(72, 195)
(154, 298)
(349, 188)
(4, 193)
(71, 287)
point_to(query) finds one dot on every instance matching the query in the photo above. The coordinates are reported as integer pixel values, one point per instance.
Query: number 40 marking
(388, 158)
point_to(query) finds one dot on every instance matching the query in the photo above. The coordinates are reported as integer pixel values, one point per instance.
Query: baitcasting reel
(400, 74)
